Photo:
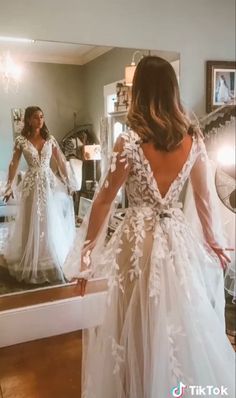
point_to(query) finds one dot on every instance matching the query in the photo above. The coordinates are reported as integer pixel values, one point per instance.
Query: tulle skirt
(42, 234)
(164, 321)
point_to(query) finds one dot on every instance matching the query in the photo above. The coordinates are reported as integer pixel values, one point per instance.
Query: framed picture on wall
(17, 120)
(84, 206)
(220, 84)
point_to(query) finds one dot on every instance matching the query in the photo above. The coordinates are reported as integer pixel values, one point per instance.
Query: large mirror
(83, 92)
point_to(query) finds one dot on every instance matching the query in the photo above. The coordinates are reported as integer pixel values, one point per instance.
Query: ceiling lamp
(130, 69)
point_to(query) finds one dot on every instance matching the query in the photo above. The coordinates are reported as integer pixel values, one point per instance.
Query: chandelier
(10, 72)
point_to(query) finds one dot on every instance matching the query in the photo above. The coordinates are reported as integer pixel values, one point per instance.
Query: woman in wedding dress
(223, 91)
(161, 335)
(44, 229)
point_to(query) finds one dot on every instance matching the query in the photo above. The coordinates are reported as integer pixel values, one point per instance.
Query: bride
(44, 229)
(161, 335)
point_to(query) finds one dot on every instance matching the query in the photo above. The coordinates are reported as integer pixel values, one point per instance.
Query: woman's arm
(61, 163)
(206, 204)
(12, 169)
(115, 178)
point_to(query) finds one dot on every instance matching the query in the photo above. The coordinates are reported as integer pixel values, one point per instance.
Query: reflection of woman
(160, 327)
(223, 92)
(44, 228)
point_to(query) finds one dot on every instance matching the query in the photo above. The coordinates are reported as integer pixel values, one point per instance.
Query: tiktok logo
(178, 391)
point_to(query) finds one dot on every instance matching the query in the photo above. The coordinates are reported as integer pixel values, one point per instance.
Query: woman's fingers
(226, 257)
(7, 197)
(81, 286)
(223, 264)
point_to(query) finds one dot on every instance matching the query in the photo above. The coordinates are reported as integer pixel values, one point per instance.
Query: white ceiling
(52, 52)
(62, 53)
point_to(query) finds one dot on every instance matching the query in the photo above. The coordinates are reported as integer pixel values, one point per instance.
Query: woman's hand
(85, 271)
(70, 191)
(81, 286)
(8, 194)
(224, 259)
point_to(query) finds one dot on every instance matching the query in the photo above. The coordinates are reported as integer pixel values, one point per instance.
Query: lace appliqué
(114, 277)
(174, 333)
(120, 158)
(118, 353)
(138, 225)
(39, 175)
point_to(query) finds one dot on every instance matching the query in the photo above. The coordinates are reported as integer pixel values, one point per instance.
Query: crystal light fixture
(10, 72)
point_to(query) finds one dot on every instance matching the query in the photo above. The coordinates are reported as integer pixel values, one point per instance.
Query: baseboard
(50, 319)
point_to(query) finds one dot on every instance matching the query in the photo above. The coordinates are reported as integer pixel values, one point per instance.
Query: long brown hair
(27, 130)
(156, 113)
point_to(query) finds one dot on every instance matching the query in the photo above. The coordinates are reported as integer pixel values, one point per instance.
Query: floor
(47, 368)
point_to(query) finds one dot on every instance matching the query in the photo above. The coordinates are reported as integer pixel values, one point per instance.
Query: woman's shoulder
(129, 137)
(19, 141)
(52, 140)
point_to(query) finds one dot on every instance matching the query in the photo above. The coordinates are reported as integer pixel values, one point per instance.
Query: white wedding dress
(161, 327)
(223, 95)
(43, 232)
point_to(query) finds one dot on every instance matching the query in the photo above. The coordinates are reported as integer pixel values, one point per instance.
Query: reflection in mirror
(53, 156)
(220, 140)
(219, 130)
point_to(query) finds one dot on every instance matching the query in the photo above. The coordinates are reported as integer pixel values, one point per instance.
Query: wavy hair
(156, 113)
(27, 130)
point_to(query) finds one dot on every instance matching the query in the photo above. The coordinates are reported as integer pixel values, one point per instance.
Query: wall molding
(50, 319)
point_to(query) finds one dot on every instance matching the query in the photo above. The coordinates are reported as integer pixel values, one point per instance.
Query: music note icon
(178, 391)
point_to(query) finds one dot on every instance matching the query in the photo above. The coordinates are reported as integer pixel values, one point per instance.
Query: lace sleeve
(59, 162)
(13, 166)
(115, 178)
(203, 186)
(91, 235)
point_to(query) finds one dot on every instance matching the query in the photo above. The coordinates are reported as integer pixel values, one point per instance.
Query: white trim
(51, 319)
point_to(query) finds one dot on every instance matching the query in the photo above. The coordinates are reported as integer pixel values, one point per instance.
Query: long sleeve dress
(161, 334)
(43, 232)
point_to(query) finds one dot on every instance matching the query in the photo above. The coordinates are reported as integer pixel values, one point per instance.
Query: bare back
(167, 165)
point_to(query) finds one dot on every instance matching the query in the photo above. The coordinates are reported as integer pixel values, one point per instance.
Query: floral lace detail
(118, 353)
(39, 175)
(174, 333)
(115, 158)
(147, 211)
(159, 253)
(138, 224)
(152, 266)
(114, 277)
(19, 142)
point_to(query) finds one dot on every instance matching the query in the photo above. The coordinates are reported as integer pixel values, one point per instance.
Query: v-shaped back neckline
(179, 175)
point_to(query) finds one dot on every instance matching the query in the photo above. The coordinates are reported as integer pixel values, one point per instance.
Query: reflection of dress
(160, 326)
(43, 232)
(223, 94)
